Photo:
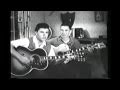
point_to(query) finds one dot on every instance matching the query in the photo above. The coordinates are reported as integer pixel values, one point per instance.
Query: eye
(41, 32)
(47, 32)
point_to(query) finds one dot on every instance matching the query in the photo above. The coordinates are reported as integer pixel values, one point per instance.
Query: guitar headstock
(80, 55)
(99, 45)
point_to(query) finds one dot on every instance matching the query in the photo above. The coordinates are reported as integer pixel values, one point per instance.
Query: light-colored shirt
(25, 43)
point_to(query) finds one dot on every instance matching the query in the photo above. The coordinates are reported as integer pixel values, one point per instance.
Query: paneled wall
(83, 19)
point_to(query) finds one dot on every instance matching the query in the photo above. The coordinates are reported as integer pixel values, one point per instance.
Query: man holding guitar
(34, 53)
(42, 33)
(65, 42)
(36, 48)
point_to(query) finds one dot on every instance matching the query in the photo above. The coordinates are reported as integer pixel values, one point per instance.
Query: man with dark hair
(38, 41)
(42, 33)
(63, 43)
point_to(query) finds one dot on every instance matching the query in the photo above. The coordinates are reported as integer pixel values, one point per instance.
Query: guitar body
(20, 69)
(40, 62)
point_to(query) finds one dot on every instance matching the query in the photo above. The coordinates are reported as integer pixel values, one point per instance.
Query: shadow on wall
(52, 30)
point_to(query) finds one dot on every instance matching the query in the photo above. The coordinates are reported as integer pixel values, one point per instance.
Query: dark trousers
(73, 69)
(97, 67)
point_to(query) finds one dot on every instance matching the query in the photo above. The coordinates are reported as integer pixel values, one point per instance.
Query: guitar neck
(53, 57)
(94, 46)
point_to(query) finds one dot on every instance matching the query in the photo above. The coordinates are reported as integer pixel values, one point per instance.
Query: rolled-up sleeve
(20, 42)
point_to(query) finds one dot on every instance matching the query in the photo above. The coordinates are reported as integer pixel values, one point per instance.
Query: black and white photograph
(59, 45)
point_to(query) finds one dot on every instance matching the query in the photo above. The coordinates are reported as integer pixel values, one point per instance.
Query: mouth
(63, 35)
(44, 38)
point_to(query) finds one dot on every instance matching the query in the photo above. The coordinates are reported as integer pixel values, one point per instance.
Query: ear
(35, 33)
(70, 32)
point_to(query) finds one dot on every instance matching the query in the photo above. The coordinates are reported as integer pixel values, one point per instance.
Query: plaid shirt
(73, 43)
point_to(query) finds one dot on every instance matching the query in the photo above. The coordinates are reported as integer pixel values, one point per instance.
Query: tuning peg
(83, 48)
(82, 53)
(81, 56)
(84, 59)
(79, 49)
(78, 59)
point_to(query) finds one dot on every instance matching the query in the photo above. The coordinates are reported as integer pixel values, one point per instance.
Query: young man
(64, 43)
(38, 41)
(42, 33)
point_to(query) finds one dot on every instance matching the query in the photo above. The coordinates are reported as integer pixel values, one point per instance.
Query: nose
(44, 34)
(63, 32)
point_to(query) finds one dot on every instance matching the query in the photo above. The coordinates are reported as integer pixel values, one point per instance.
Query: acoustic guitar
(40, 60)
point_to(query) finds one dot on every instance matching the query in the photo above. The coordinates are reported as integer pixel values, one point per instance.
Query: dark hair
(44, 25)
(66, 24)
(41, 25)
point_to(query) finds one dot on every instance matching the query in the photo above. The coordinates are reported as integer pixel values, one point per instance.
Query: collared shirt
(73, 43)
(37, 43)
(25, 43)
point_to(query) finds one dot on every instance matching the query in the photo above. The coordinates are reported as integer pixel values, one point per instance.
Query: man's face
(42, 34)
(65, 31)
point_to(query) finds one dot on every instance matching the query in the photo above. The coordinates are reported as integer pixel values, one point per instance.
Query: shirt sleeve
(77, 44)
(51, 53)
(20, 42)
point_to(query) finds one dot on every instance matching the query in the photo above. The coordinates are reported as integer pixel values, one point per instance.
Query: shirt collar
(37, 44)
(60, 39)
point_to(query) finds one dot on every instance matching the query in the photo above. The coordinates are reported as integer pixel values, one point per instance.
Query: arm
(19, 57)
(14, 52)
(77, 45)
(61, 48)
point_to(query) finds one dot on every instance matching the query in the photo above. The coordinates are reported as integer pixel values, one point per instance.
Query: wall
(86, 20)
(36, 17)
(54, 21)
(83, 19)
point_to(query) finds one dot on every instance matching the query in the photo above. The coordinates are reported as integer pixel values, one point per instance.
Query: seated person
(91, 69)
(64, 43)
(38, 41)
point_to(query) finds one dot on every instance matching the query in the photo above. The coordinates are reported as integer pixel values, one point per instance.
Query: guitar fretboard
(53, 57)
(78, 52)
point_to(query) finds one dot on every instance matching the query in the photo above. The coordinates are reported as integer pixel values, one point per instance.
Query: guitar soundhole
(38, 62)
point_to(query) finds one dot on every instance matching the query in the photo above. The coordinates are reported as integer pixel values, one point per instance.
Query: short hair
(41, 25)
(44, 25)
(66, 24)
